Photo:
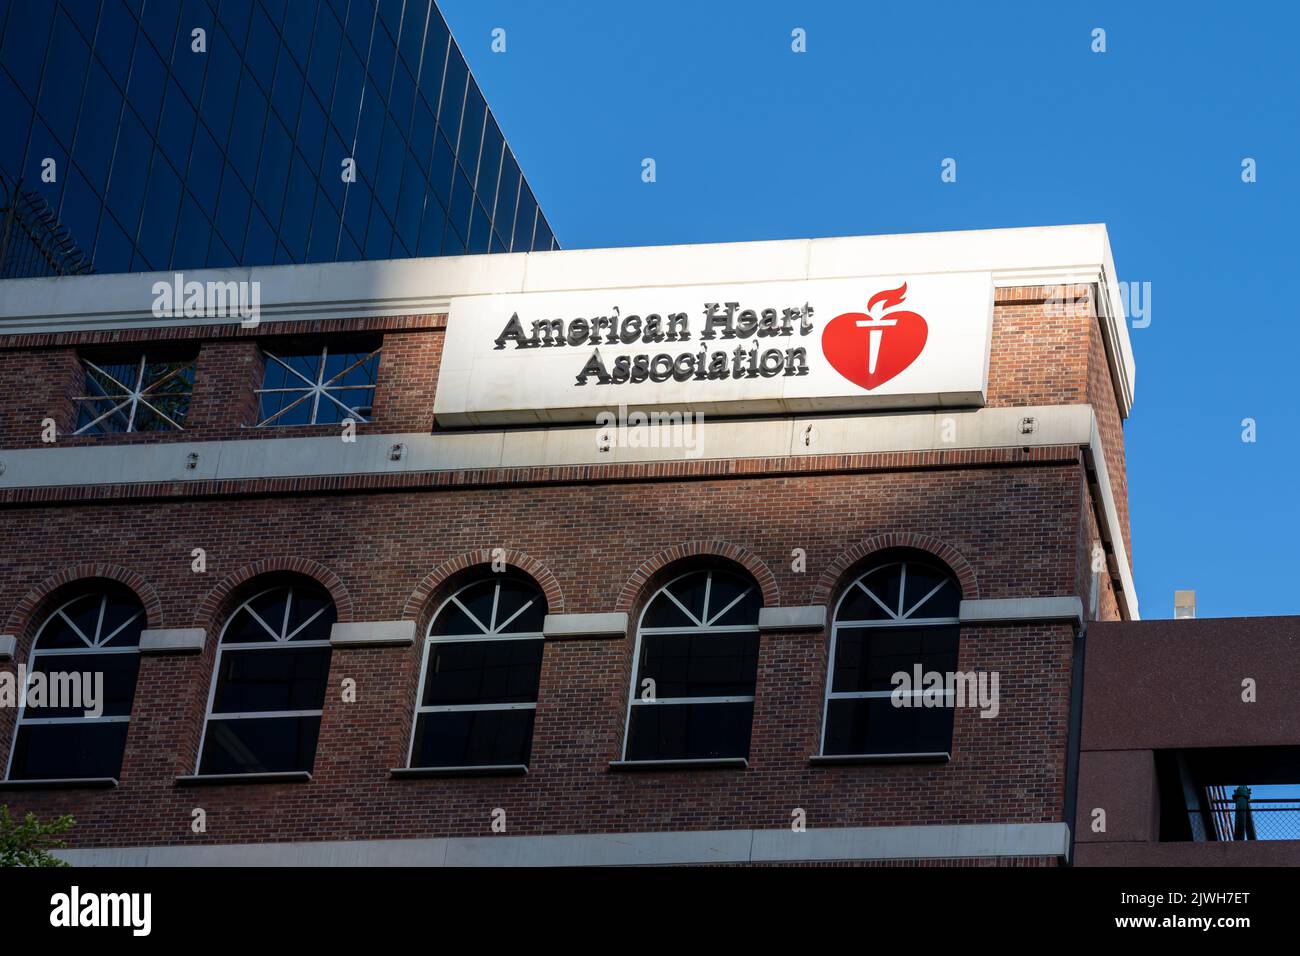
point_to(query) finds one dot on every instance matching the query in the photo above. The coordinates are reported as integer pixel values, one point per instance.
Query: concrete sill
(61, 783)
(482, 770)
(833, 760)
(212, 779)
(708, 763)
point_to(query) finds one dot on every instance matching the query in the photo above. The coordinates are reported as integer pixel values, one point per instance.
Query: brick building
(384, 573)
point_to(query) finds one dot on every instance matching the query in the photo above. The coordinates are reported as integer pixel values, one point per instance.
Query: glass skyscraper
(140, 135)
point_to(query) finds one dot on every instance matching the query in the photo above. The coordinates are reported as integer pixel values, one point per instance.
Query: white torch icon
(877, 325)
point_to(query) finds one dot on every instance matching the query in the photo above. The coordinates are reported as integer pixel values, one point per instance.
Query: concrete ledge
(372, 634)
(207, 779)
(616, 849)
(562, 626)
(480, 770)
(1022, 610)
(8, 647)
(837, 760)
(707, 763)
(61, 783)
(173, 640)
(810, 618)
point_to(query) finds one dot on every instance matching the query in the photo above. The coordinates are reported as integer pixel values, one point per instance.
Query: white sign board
(917, 341)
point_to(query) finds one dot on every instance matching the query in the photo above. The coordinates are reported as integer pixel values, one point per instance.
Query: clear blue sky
(753, 141)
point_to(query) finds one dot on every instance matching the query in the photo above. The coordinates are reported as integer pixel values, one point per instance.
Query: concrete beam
(1022, 610)
(809, 618)
(173, 640)
(372, 634)
(572, 626)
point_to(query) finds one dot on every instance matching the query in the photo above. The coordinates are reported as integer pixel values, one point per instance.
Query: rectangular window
(316, 384)
(143, 392)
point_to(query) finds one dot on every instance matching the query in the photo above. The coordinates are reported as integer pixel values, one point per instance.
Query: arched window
(696, 663)
(79, 689)
(900, 617)
(268, 684)
(478, 681)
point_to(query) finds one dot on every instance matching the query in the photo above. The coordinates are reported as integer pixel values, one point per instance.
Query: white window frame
(701, 627)
(275, 641)
(133, 395)
(94, 645)
(898, 617)
(491, 632)
(315, 390)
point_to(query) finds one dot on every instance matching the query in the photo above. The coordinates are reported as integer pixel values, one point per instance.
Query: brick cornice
(223, 331)
(550, 474)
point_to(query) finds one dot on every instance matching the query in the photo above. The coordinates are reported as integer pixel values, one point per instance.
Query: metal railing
(1243, 817)
(32, 240)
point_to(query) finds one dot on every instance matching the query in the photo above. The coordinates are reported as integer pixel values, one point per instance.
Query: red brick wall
(1015, 528)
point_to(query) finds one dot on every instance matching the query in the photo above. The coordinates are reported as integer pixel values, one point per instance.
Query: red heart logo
(899, 338)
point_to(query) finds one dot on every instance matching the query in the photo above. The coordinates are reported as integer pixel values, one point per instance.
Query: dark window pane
(524, 219)
(192, 233)
(441, 168)
(204, 176)
(866, 658)
(273, 169)
(453, 95)
(84, 749)
(324, 54)
(260, 745)
(259, 54)
(412, 35)
(542, 238)
(25, 44)
(347, 94)
(875, 726)
(176, 131)
(733, 601)
(280, 678)
(187, 63)
(700, 664)
(472, 738)
(471, 130)
(479, 230)
(286, 93)
(489, 166)
(232, 210)
(299, 16)
(219, 84)
(61, 91)
(158, 20)
(483, 672)
(507, 196)
(689, 731)
(431, 228)
(112, 249)
(75, 679)
(161, 208)
(434, 59)
(246, 134)
(858, 605)
(148, 81)
(921, 581)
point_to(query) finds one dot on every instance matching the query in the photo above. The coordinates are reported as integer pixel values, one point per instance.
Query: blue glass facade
(168, 156)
